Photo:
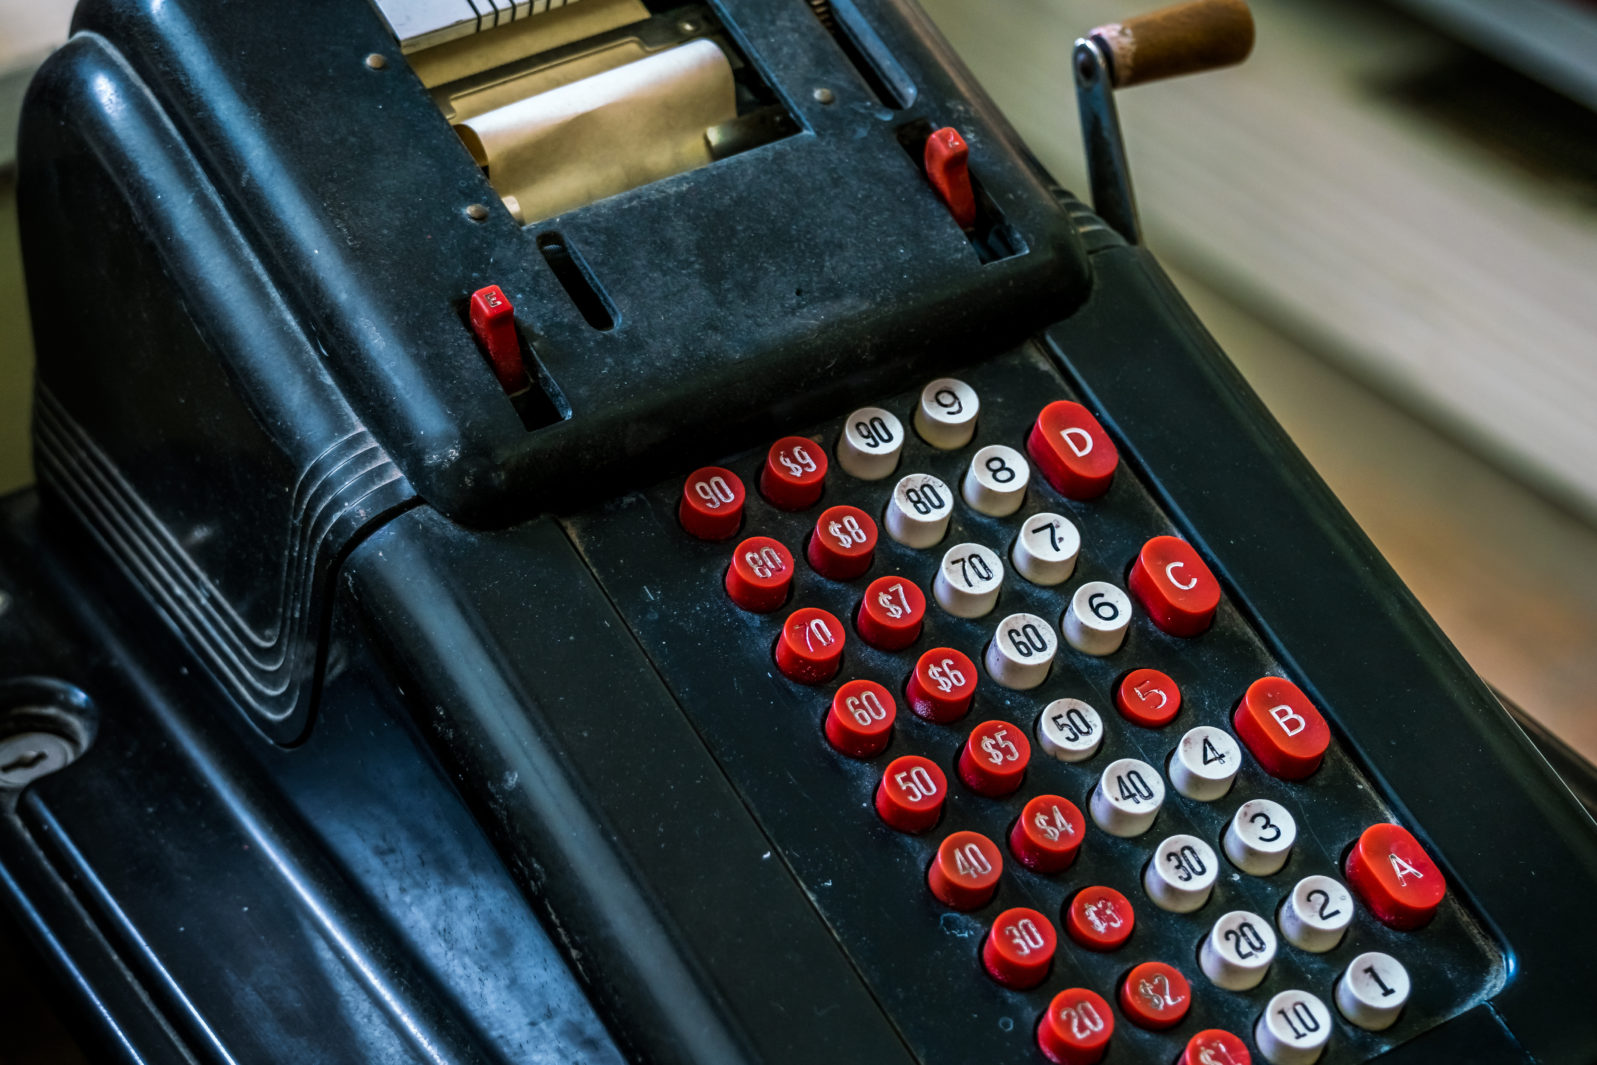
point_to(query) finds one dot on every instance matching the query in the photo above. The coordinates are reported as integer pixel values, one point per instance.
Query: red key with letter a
(1285, 731)
(1072, 450)
(1397, 880)
(1174, 586)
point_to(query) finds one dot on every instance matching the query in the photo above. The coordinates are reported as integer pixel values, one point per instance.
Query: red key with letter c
(1072, 450)
(1174, 586)
(1285, 731)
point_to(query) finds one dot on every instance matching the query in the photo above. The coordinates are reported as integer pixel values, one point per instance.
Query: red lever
(493, 319)
(947, 156)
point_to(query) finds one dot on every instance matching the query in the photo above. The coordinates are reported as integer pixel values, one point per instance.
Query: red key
(965, 873)
(1215, 1046)
(942, 685)
(1174, 586)
(910, 796)
(493, 319)
(1282, 728)
(712, 503)
(947, 158)
(1076, 1028)
(1099, 918)
(993, 760)
(1072, 450)
(1019, 948)
(1048, 833)
(1155, 995)
(891, 614)
(1397, 880)
(1148, 697)
(810, 649)
(794, 473)
(760, 574)
(860, 721)
(843, 543)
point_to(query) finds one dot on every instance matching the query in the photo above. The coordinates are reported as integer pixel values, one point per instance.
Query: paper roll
(604, 134)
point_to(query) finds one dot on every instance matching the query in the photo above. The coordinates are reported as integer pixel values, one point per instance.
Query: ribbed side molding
(339, 493)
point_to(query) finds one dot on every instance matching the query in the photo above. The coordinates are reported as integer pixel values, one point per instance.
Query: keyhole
(27, 761)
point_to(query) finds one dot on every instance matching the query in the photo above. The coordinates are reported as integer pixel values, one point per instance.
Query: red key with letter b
(1282, 728)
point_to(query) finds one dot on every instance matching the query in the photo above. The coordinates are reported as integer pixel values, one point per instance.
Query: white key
(946, 415)
(1260, 837)
(995, 482)
(1070, 730)
(1127, 798)
(917, 515)
(870, 443)
(1181, 874)
(1021, 651)
(1316, 914)
(1293, 1029)
(1205, 763)
(1372, 989)
(967, 582)
(1046, 549)
(1238, 951)
(1096, 621)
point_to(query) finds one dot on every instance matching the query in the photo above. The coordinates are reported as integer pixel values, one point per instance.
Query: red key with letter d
(1072, 450)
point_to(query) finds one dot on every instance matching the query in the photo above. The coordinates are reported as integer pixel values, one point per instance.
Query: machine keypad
(1047, 833)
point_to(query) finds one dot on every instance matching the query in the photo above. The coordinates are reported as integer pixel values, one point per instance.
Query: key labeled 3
(1260, 837)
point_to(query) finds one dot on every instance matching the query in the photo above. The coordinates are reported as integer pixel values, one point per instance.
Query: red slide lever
(947, 157)
(493, 319)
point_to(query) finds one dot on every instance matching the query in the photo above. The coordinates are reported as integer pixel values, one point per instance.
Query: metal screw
(476, 212)
(28, 756)
(377, 61)
(824, 96)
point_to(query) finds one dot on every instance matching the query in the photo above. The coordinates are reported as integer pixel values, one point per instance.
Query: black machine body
(407, 716)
